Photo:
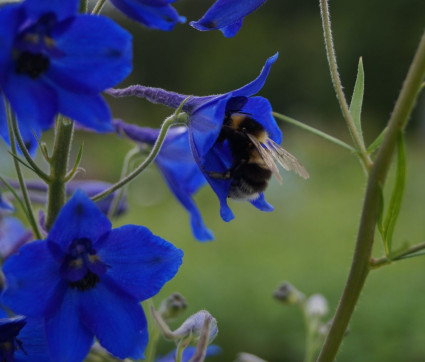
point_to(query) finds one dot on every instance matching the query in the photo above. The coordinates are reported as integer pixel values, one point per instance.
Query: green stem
(360, 265)
(126, 165)
(336, 81)
(173, 120)
(58, 168)
(28, 207)
(84, 6)
(314, 131)
(98, 7)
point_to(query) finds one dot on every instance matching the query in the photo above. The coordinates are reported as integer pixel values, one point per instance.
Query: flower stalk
(361, 261)
(175, 119)
(58, 168)
(336, 81)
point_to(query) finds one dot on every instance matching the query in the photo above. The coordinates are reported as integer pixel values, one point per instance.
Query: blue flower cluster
(80, 280)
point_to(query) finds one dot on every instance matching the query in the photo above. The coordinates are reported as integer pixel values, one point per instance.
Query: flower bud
(288, 294)
(171, 307)
(317, 306)
(194, 325)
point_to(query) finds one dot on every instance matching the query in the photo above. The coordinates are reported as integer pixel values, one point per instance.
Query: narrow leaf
(381, 213)
(397, 195)
(357, 99)
(378, 140)
(20, 160)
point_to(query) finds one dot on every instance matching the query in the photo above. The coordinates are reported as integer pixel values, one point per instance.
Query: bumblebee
(254, 157)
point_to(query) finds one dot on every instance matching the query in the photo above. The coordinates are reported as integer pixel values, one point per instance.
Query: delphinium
(72, 284)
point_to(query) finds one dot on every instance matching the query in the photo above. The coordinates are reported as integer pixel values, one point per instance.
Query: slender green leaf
(71, 174)
(378, 140)
(357, 99)
(20, 160)
(397, 195)
(419, 253)
(381, 213)
(16, 196)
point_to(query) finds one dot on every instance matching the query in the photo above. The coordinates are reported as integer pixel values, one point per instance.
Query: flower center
(34, 47)
(81, 266)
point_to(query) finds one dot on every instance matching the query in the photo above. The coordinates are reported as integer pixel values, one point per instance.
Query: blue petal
(255, 86)
(79, 218)
(182, 174)
(136, 133)
(13, 234)
(31, 275)
(140, 263)
(219, 159)
(158, 16)
(116, 319)
(260, 109)
(206, 122)
(10, 18)
(95, 64)
(231, 30)
(34, 102)
(62, 9)
(225, 13)
(34, 343)
(261, 204)
(68, 339)
(177, 184)
(92, 111)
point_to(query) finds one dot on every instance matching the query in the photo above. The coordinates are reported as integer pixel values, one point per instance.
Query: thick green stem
(336, 81)
(58, 169)
(173, 120)
(360, 265)
(27, 202)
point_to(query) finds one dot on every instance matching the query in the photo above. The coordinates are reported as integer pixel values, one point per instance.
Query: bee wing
(285, 159)
(267, 157)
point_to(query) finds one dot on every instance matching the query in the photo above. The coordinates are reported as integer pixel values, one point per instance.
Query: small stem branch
(384, 260)
(98, 7)
(173, 120)
(58, 169)
(27, 202)
(360, 265)
(126, 165)
(336, 81)
(314, 131)
(25, 152)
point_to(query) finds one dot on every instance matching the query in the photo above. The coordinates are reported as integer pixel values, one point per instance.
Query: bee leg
(220, 175)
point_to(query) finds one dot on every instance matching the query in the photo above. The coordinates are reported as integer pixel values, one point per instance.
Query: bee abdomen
(248, 181)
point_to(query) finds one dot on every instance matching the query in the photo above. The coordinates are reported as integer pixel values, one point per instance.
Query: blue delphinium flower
(87, 280)
(227, 16)
(13, 234)
(206, 117)
(54, 60)
(188, 353)
(154, 14)
(22, 339)
(4, 205)
(178, 167)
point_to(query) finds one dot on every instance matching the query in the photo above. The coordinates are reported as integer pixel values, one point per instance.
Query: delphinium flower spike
(177, 166)
(229, 134)
(88, 281)
(46, 68)
(154, 14)
(227, 16)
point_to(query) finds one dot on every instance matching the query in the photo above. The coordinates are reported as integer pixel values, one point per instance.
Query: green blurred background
(309, 238)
